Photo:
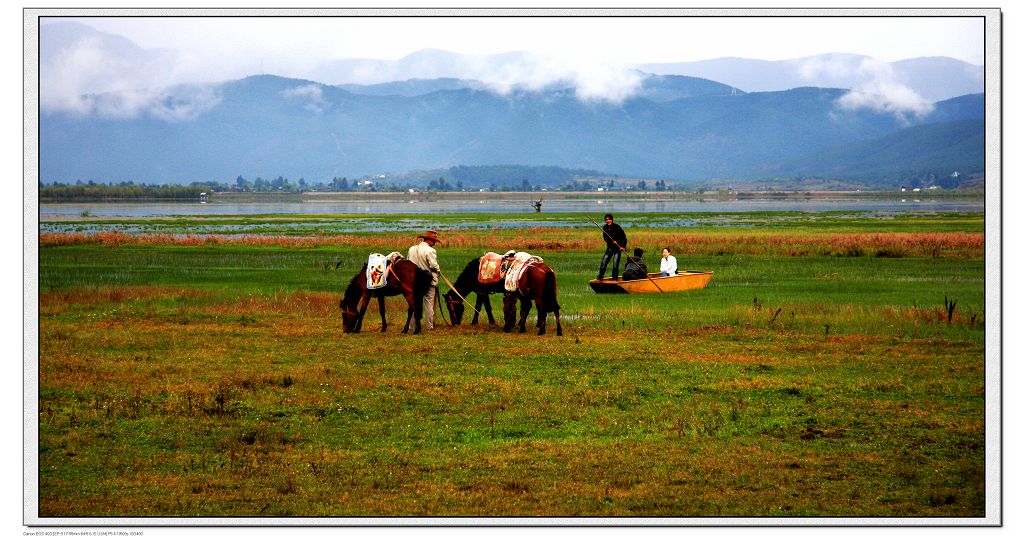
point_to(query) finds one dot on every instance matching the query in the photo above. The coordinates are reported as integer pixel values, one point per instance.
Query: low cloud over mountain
(906, 87)
(112, 111)
(77, 62)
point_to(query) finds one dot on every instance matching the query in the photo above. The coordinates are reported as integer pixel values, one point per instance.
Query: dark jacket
(635, 269)
(614, 232)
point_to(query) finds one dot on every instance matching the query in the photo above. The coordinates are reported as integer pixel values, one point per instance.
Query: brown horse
(404, 278)
(537, 285)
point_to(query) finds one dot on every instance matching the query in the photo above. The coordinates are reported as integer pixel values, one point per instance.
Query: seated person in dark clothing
(635, 267)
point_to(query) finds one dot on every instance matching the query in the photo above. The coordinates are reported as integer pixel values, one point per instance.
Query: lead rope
(452, 286)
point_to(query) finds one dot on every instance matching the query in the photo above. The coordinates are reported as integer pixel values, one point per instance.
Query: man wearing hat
(424, 256)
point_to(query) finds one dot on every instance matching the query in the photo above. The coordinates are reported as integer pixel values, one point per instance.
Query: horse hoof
(540, 332)
(559, 333)
(417, 332)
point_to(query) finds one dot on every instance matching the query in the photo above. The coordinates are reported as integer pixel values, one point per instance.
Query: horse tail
(550, 295)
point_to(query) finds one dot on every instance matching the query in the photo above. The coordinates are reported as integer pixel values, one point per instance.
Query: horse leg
(487, 305)
(558, 323)
(524, 311)
(480, 298)
(363, 302)
(408, 317)
(509, 308)
(542, 316)
(411, 314)
(383, 319)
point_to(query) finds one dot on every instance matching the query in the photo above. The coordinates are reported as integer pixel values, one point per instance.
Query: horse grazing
(405, 279)
(467, 283)
(536, 285)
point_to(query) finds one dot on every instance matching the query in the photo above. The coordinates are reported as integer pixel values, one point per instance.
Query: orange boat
(683, 280)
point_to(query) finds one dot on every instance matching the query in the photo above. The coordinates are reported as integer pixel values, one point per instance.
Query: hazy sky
(628, 40)
(595, 54)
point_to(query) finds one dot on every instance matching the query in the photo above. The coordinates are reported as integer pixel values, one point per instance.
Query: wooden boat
(683, 280)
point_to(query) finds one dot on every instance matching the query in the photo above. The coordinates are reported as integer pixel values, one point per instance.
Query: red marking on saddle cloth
(379, 267)
(490, 268)
(376, 271)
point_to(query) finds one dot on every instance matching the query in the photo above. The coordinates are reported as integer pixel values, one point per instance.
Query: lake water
(58, 211)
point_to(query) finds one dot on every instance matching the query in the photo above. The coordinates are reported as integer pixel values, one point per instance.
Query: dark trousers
(609, 254)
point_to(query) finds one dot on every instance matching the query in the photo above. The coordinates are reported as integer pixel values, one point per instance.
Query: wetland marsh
(195, 367)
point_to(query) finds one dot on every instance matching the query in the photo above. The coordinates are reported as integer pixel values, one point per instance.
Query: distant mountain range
(932, 78)
(673, 127)
(269, 126)
(658, 88)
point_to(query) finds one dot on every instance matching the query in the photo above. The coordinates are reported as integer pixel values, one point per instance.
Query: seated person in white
(668, 263)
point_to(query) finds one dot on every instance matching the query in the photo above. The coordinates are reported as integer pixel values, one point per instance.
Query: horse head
(350, 301)
(349, 316)
(456, 307)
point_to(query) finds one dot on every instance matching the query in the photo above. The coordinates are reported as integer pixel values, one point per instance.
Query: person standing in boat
(636, 269)
(668, 263)
(615, 239)
(424, 255)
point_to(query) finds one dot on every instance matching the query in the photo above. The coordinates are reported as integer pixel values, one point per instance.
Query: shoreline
(651, 196)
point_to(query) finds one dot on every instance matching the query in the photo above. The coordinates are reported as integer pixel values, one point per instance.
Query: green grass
(308, 224)
(215, 381)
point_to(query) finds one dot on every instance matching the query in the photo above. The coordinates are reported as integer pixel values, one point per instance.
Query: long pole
(623, 250)
(452, 286)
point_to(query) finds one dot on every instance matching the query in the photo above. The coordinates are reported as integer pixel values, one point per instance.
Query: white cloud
(592, 79)
(93, 74)
(873, 85)
(312, 95)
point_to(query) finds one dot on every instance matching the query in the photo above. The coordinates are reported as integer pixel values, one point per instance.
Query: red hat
(430, 234)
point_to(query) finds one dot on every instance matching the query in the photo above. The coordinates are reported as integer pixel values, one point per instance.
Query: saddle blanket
(520, 264)
(377, 269)
(490, 268)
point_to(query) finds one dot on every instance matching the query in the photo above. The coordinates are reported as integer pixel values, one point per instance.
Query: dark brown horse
(467, 283)
(404, 279)
(536, 286)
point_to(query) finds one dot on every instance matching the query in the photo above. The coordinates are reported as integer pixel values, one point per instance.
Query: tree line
(128, 190)
(125, 190)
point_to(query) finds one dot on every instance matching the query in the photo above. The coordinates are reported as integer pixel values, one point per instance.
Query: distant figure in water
(536, 205)
(636, 269)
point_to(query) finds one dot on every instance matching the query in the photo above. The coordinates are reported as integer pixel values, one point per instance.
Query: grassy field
(821, 373)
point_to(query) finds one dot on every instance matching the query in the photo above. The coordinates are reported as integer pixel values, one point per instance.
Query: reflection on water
(150, 209)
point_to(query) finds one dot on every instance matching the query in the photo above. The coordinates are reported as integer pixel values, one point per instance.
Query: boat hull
(655, 284)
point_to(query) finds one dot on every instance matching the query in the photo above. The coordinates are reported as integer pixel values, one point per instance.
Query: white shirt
(425, 257)
(668, 265)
